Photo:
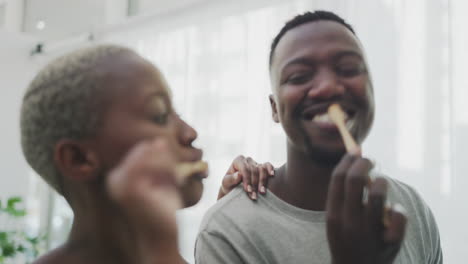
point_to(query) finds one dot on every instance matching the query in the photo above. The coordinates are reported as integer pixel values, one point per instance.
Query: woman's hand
(253, 176)
(143, 185)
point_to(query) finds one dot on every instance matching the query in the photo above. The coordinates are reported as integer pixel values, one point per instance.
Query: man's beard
(320, 155)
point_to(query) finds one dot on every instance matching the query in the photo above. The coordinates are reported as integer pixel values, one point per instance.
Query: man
(99, 126)
(314, 211)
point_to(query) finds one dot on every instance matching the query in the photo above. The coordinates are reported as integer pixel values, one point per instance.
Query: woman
(99, 126)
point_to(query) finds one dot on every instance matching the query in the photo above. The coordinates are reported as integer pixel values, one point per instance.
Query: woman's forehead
(134, 74)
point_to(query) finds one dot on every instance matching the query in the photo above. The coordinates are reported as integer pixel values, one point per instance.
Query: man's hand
(254, 177)
(356, 233)
(144, 187)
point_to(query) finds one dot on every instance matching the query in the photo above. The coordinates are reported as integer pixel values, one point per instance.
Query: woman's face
(138, 107)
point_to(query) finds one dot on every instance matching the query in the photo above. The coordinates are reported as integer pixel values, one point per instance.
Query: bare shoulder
(56, 256)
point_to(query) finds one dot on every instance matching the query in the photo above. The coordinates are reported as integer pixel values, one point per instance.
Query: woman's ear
(274, 110)
(75, 160)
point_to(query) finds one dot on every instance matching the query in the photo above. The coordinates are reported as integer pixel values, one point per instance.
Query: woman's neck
(100, 231)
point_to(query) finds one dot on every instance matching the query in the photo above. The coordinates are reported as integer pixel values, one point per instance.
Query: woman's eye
(161, 119)
(161, 111)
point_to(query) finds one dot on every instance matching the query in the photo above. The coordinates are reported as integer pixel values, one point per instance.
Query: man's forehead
(315, 36)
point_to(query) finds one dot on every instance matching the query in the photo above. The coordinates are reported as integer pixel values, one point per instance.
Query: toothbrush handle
(350, 144)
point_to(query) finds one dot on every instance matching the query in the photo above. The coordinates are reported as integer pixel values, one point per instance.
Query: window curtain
(214, 56)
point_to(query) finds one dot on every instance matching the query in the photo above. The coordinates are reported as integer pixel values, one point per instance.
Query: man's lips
(318, 116)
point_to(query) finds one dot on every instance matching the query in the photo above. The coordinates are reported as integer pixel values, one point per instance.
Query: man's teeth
(349, 124)
(325, 118)
(322, 118)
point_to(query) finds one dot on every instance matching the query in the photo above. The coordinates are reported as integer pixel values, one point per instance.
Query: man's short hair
(307, 17)
(63, 102)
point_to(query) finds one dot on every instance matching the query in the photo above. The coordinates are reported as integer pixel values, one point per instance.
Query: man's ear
(75, 160)
(274, 110)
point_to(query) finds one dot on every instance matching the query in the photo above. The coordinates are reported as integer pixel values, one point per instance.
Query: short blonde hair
(63, 101)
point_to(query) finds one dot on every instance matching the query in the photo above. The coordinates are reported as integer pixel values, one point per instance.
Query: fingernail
(235, 175)
(249, 188)
(254, 195)
(262, 189)
(399, 208)
(272, 172)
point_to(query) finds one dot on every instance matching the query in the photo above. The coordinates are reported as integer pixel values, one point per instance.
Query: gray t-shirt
(238, 230)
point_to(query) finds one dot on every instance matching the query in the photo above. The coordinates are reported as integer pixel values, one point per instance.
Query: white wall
(16, 70)
(13, 14)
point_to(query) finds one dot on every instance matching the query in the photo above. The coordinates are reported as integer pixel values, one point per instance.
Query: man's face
(139, 108)
(315, 65)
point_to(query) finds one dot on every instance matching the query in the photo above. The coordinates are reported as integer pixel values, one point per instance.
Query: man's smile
(317, 116)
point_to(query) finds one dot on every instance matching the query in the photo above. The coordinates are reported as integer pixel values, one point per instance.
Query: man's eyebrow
(346, 53)
(299, 61)
(310, 62)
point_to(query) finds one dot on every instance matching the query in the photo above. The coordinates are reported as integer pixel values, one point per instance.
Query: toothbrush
(185, 169)
(337, 115)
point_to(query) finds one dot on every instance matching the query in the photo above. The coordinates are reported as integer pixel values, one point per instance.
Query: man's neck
(302, 182)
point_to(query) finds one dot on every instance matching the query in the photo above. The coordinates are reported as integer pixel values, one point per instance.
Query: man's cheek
(360, 87)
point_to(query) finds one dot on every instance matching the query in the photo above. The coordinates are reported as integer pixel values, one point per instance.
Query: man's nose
(326, 86)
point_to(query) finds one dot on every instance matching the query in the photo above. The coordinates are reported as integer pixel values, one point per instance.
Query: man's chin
(326, 156)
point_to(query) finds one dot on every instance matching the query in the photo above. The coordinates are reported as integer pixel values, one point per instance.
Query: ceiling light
(40, 25)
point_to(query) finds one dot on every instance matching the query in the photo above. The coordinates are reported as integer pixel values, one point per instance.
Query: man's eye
(350, 71)
(297, 79)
